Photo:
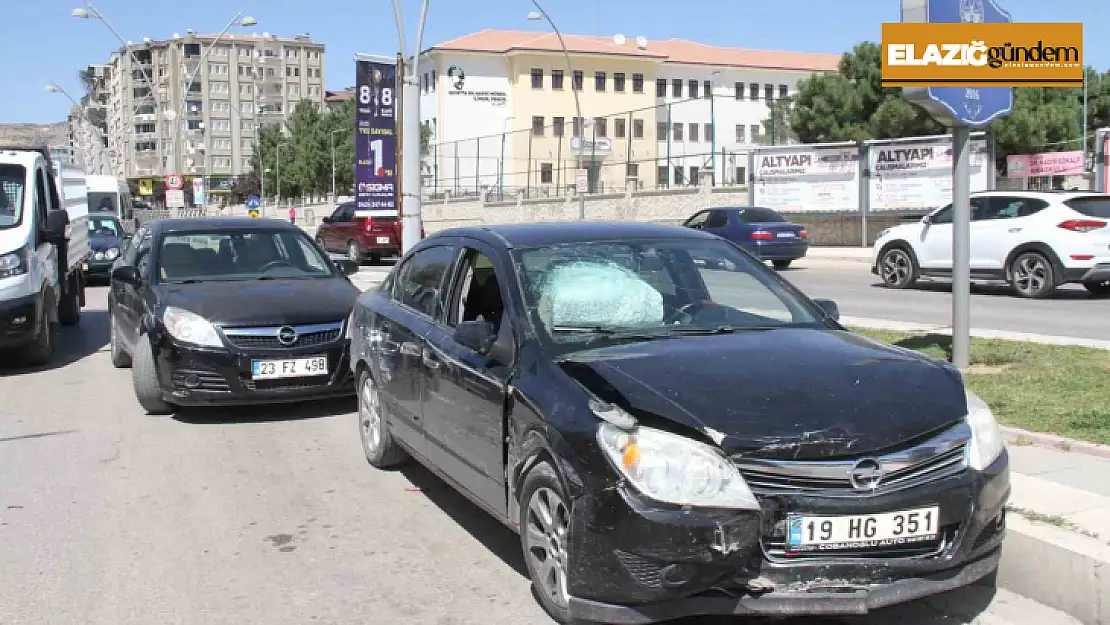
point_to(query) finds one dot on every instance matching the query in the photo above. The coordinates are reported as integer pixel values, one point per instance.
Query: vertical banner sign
(375, 137)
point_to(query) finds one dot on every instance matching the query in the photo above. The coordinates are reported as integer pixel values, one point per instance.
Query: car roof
(1054, 194)
(558, 232)
(219, 223)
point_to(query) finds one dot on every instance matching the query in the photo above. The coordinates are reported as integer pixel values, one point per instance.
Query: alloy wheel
(896, 267)
(369, 416)
(1030, 274)
(546, 528)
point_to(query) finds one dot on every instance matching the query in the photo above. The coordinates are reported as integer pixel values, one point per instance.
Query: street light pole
(334, 196)
(538, 14)
(713, 124)
(411, 219)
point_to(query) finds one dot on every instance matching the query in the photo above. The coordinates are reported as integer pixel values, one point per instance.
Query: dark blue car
(763, 232)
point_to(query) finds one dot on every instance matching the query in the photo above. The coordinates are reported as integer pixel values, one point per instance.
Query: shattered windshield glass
(645, 289)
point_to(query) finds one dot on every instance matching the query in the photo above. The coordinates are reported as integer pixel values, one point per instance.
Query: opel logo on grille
(866, 474)
(286, 335)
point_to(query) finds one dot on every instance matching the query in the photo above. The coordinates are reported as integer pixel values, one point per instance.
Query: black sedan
(106, 238)
(672, 428)
(230, 311)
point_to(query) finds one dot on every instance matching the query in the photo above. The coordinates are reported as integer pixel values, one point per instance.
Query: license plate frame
(382, 240)
(785, 235)
(289, 368)
(843, 535)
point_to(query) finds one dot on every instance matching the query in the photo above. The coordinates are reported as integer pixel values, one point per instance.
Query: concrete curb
(979, 333)
(1057, 568)
(1018, 436)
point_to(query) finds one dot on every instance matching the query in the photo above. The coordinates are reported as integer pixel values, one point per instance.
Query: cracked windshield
(578, 313)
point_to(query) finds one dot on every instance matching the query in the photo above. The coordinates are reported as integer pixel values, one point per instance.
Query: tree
(425, 137)
(776, 128)
(305, 144)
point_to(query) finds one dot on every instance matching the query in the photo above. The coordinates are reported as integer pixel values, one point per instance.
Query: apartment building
(654, 111)
(209, 123)
(88, 129)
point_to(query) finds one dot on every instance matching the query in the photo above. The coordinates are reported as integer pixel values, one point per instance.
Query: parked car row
(670, 426)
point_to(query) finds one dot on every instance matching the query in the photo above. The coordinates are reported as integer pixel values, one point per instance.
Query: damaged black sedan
(673, 429)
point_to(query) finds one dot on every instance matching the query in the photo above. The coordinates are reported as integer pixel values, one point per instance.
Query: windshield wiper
(722, 329)
(188, 281)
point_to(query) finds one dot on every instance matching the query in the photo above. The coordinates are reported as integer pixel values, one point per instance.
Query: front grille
(205, 380)
(267, 337)
(287, 385)
(937, 458)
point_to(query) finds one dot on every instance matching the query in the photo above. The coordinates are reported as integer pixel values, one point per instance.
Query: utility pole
(411, 225)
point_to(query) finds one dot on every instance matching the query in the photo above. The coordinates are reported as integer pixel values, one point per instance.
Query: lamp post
(54, 88)
(334, 196)
(540, 14)
(411, 218)
(713, 123)
(501, 174)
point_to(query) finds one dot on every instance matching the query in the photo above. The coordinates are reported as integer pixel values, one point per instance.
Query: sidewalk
(857, 254)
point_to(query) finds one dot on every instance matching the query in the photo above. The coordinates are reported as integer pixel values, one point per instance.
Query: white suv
(1033, 240)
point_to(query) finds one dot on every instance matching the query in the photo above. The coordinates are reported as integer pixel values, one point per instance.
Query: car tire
(1098, 289)
(120, 358)
(39, 352)
(144, 378)
(897, 268)
(354, 252)
(1032, 276)
(69, 308)
(781, 264)
(381, 450)
(543, 497)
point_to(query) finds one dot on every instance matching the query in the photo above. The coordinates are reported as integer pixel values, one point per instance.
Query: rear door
(999, 223)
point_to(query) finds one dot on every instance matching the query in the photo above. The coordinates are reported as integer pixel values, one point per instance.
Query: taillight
(761, 235)
(803, 234)
(368, 224)
(1082, 225)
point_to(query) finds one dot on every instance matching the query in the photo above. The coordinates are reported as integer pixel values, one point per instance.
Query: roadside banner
(1046, 164)
(918, 175)
(375, 136)
(807, 178)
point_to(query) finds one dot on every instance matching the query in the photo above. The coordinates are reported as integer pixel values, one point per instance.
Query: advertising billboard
(918, 175)
(375, 136)
(807, 178)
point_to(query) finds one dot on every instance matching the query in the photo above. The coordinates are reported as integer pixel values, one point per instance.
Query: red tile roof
(669, 50)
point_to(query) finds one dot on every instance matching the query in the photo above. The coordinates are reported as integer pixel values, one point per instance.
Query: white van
(108, 194)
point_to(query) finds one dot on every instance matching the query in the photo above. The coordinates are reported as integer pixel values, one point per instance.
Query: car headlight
(111, 253)
(350, 325)
(987, 442)
(191, 328)
(675, 469)
(14, 263)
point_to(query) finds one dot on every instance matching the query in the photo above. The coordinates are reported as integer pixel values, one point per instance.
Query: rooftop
(668, 50)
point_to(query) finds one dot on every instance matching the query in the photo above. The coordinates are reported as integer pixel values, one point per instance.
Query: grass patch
(1054, 389)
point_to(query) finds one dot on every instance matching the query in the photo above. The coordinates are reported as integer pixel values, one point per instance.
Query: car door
(697, 221)
(934, 245)
(397, 340)
(998, 224)
(717, 223)
(465, 405)
(129, 301)
(327, 231)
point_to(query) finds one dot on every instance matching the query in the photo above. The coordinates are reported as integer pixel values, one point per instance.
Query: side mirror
(477, 335)
(54, 230)
(347, 266)
(927, 219)
(325, 220)
(126, 274)
(829, 307)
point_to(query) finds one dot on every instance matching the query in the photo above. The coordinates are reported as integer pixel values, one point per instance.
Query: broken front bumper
(635, 562)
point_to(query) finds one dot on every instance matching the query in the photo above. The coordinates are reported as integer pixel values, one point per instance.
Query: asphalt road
(1070, 312)
(266, 516)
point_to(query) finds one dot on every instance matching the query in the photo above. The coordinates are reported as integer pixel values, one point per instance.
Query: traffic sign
(253, 201)
(175, 198)
(253, 212)
(582, 180)
(174, 182)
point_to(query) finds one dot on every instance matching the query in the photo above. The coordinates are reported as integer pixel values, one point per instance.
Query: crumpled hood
(785, 393)
(266, 302)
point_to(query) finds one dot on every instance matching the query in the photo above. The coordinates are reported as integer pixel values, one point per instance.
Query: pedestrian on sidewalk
(293, 215)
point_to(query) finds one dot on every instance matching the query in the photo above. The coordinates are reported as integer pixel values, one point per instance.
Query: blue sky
(40, 43)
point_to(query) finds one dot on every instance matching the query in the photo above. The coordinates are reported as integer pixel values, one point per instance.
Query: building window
(678, 177)
(601, 127)
(637, 129)
(768, 93)
(547, 173)
(661, 175)
(676, 88)
(599, 81)
(693, 133)
(537, 78)
(708, 132)
(618, 82)
(537, 126)
(678, 132)
(694, 175)
(783, 91)
(661, 131)
(693, 89)
(739, 90)
(755, 133)
(620, 127)
(741, 175)
(637, 83)
(707, 88)
(556, 126)
(753, 91)
(632, 170)
(556, 79)
(433, 78)
(661, 88)
(740, 131)
(576, 80)
(577, 130)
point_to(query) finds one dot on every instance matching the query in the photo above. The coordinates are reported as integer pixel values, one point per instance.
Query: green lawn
(1043, 388)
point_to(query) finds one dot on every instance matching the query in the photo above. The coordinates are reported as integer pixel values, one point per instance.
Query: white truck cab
(44, 244)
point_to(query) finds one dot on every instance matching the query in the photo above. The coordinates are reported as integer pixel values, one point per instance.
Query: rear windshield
(760, 215)
(101, 202)
(1091, 206)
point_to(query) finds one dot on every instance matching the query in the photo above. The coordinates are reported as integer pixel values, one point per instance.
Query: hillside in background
(33, 134)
